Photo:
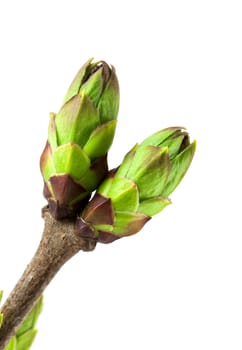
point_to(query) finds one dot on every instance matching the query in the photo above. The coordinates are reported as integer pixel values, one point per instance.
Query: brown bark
(58, 244)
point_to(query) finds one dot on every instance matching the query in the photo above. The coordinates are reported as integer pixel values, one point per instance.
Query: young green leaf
(1, 295)
(26, 333)
(1, 319)
(12, 345)
(1, 315)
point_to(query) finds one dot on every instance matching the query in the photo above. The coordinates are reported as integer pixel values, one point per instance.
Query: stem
(58, 244)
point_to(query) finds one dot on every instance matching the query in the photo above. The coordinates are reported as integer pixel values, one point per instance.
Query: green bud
(99, 82)
(74, 160)
(181, 153)
(139, 188)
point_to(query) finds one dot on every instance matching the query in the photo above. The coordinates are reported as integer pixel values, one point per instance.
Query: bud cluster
(74, 162)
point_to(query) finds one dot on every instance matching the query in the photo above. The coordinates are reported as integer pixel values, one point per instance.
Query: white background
(177, 284)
